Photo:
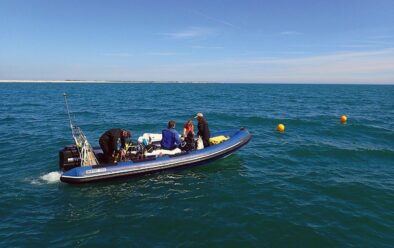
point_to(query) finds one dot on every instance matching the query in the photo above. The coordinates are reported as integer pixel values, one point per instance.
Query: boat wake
(49, 178)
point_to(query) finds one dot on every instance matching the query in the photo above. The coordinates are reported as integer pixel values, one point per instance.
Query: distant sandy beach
(97, 81)
(56, 81)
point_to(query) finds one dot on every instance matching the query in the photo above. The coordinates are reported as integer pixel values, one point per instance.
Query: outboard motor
(69, 158)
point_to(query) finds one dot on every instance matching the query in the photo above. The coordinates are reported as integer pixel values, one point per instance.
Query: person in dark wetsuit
(203, 129)
(109, 142)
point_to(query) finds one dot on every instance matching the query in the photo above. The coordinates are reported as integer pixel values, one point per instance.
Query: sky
(257, 41)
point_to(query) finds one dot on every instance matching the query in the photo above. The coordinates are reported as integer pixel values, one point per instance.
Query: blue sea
(319, 184)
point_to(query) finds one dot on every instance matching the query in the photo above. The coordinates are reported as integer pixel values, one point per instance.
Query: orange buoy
(343, 119)
(280, 128)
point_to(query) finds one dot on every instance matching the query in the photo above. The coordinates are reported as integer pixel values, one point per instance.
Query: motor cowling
(69, 158)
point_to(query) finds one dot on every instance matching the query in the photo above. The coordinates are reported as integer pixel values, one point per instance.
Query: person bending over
(170, 137)
(113, 142)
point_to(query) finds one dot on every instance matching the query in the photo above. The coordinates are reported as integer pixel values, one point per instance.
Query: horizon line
(186, 82)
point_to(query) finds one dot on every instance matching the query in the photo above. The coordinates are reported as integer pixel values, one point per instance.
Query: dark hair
(171, 124)
(126, 133)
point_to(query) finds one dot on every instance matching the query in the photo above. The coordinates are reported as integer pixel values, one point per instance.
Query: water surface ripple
(319, 184)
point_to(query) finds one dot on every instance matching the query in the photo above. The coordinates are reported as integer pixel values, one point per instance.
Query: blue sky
(288, 41)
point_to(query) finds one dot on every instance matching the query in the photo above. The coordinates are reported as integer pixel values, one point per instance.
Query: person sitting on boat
(188, 128)
(188, 134)
(170, 137)
(113, 142)
(203, 129)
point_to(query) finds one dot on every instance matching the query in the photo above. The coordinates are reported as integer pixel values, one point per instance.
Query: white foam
(51, 177)
(35, 182)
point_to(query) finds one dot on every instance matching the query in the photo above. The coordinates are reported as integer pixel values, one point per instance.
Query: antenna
(86, 152)
(68, 110)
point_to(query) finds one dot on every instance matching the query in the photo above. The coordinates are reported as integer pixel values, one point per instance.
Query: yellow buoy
(343, 119)
(280, 128)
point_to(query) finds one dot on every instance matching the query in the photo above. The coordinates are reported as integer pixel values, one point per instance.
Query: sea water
(319, 184)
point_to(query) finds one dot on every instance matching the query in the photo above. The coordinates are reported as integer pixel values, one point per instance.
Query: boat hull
(86, 174)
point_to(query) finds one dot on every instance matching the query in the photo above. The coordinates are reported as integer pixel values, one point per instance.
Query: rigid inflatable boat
(81, 163)
(149, 163)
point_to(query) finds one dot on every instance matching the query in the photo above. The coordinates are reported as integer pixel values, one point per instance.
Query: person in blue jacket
(170, 137)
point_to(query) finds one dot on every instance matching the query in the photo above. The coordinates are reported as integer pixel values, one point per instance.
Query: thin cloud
(372, 41)
(382, 37)
(357, 46)
(222, 22)
(117, 54)
(342, 67)
(189, 33)
(368, 66)
(162, 53)
(207, 47)
(327, 58)
(290, 33)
